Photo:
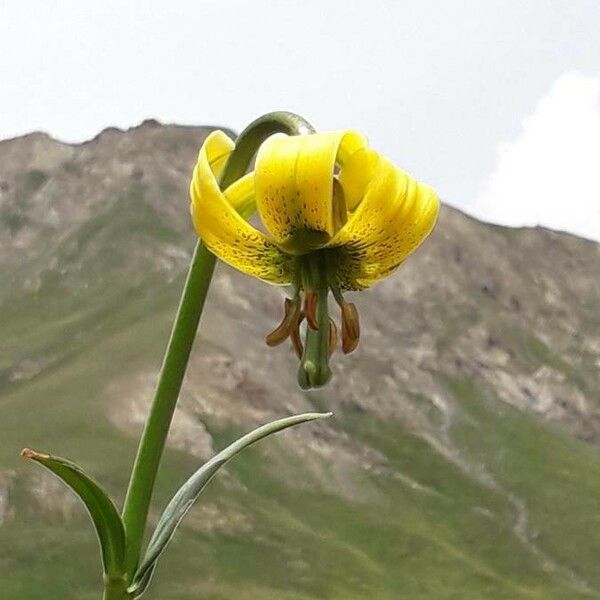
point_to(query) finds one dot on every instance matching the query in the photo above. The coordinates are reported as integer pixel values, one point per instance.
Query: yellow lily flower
(338, 216)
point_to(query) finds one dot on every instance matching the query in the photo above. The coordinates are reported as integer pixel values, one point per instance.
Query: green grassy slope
(484, 501)
(453, 540)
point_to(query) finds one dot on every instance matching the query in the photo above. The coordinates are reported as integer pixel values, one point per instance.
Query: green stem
(115, 590)
(152, 443)
(314, 370)
(137, 501)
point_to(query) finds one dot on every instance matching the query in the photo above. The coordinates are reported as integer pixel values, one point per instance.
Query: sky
(495, 103)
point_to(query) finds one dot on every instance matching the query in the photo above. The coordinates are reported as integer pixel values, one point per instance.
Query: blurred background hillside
(462, 460)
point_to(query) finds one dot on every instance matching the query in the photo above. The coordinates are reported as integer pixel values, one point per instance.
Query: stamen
(333, 336)
(337, 293)
(350, 327)
(310, 308)
(282, 331)
(295, 334)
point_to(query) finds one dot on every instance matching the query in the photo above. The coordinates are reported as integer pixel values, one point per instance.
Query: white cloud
(550, 175)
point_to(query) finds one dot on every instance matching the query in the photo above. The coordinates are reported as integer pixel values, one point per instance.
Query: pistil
(314, 368)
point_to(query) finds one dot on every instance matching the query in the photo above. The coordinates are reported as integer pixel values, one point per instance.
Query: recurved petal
(221, 227)
(218, 147)
(294, 183)
(356, 174)
(241, 196)
(394, 217)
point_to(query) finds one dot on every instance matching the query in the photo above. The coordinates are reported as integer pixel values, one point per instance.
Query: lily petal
(393, 218)
(222, 228)
(294, 186)
(218, 148)
(240, 195)
(356, 174)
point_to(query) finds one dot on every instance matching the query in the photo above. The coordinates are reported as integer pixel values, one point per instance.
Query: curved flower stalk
(338, 217)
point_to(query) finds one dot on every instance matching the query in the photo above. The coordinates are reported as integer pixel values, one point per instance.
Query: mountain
(462, 460)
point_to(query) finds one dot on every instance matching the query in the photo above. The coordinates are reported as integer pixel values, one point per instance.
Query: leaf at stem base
(101, 509)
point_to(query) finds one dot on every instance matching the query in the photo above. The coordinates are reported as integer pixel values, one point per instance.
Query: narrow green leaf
(103, 512)
(138, 587)
(188, 493)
